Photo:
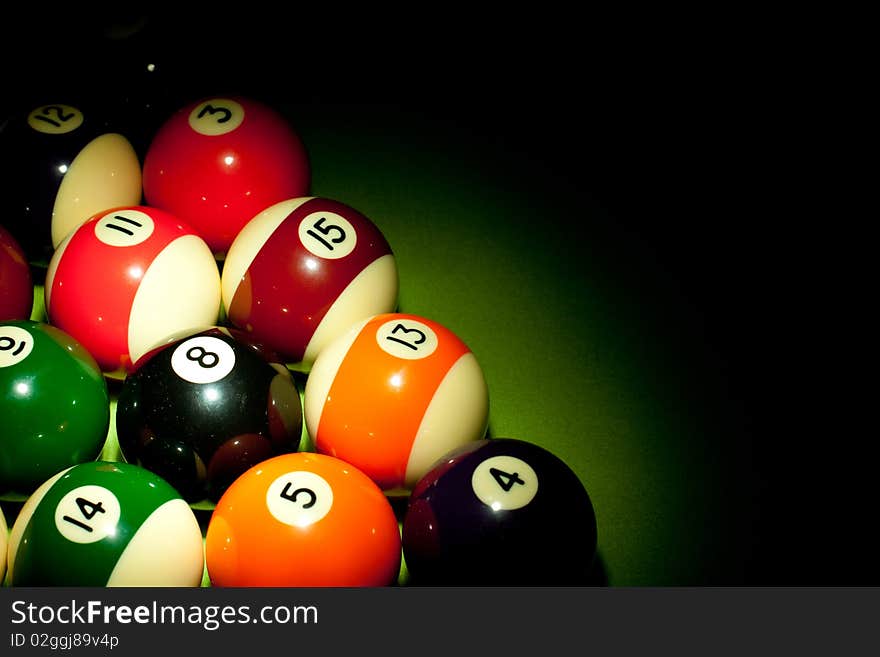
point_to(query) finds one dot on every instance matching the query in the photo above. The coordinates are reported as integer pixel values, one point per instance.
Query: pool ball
(499, 512)
(392, 395)
(60, 164)
(303, 519)
(16, 281)
(4, 537)
(105, 524)
(54, 404)
(304, 271)
(127, 279)
(217, 162)
(203, 408)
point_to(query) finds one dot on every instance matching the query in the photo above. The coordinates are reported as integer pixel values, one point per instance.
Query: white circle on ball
(124, 228)
(55, 119)
(299, 498)
(15, 345)
(327, 235)
(202, 359)
(216, 116)
(407, 338)
(87, 514)
(504, 483)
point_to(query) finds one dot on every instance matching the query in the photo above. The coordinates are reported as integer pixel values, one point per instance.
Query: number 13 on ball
(393, 395)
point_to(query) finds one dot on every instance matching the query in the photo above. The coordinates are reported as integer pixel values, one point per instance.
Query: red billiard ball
(203, 408)
(303, 519)
(127, 279)
(499, 512)
(60, 164)
(16, 282)
(304, 271)
(392, 395)
(217, 162)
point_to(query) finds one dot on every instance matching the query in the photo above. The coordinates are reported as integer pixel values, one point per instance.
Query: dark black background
(680, 130)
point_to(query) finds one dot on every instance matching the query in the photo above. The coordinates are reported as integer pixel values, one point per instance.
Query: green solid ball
(54, 404)
(105, 524)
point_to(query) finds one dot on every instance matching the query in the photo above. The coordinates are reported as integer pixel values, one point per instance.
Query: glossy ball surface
(217, 162)
(305, 270)
(393, 394)
(204, 408)
(499, 512)
(59, 165)
(303, 519)
(127, 279)
(105, 524)
(16, 281)
(54, 404)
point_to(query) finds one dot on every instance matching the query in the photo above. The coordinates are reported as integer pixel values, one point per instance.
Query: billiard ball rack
(111, 450)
